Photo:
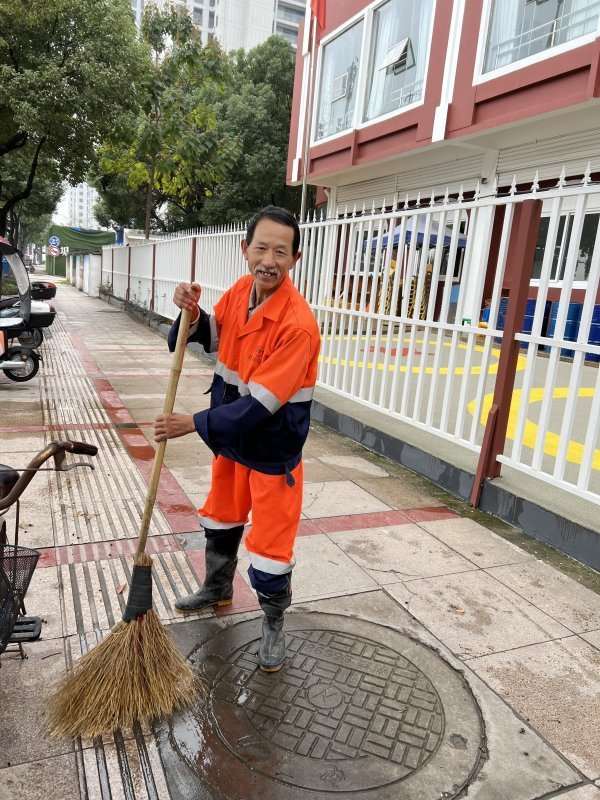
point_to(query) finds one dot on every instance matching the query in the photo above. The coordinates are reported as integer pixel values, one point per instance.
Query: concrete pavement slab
(583, 793)
(322, 570)
(556, 686)
(477, 543)
(592, 637)
(338, 497)
(25, 686)
(573, 605)
(398, 494)
(474, 614)
(355, 466)
(400, 552)
(52, 778)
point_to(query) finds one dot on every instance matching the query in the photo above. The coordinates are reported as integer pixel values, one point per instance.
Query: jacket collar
(270, 309)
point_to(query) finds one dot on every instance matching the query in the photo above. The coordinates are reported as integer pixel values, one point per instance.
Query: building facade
(414, 94)
(76, 207)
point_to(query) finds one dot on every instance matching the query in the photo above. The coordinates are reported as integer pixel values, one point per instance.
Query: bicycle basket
(9, 609)
(18, 565)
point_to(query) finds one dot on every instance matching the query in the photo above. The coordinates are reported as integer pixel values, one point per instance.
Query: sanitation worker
(267, 344)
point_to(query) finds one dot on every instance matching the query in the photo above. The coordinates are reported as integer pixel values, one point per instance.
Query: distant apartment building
(76, 207)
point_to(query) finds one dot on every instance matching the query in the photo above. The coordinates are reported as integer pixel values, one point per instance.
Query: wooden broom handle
(159, 454)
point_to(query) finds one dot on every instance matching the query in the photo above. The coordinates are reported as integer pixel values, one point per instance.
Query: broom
(136, 673)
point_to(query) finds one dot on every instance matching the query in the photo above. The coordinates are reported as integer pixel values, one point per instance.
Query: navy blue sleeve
(222, 427)
(202, 334)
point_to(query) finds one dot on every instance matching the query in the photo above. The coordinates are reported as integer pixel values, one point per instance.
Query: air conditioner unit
(340, 87)
(399, 58)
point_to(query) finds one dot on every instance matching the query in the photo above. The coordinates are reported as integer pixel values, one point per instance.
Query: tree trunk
(23, 195)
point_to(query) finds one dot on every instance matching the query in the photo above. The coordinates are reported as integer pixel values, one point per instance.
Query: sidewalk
(433, 652)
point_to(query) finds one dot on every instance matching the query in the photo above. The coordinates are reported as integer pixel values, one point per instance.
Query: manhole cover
(358, 708)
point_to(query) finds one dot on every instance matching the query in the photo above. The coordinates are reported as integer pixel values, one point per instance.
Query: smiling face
(270, 256)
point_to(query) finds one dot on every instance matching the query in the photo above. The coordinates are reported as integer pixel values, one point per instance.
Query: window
(211, 19)
(291, 14)
(522, 28)
(197, 16)
(561, 249)
(339, 79)
(398, 64)
(290, 35)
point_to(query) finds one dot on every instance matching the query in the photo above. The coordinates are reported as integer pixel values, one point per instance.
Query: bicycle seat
(8, 478)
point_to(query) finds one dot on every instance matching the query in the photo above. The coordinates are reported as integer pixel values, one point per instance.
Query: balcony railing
(563, 28)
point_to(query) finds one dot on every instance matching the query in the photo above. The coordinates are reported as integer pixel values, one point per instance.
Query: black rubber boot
(271, 653)
(221, 562)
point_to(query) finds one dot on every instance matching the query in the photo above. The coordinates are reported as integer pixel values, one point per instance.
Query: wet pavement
(433, 652)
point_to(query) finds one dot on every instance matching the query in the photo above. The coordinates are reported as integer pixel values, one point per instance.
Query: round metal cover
(358, 710)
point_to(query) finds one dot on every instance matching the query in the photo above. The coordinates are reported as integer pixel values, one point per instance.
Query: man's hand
(187, 296)
(170, 426)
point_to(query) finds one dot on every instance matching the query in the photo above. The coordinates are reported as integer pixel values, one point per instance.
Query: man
(267, 341)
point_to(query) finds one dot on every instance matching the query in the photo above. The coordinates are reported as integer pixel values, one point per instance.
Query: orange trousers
(236, 490)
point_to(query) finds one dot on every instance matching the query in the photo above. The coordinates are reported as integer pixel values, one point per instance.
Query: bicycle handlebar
(54, 450)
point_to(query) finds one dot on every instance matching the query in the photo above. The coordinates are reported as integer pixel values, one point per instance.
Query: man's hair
(277, 214)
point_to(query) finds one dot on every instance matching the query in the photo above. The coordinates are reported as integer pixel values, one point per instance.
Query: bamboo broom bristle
(135, 674)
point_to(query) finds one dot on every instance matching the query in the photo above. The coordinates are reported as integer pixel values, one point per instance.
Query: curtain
(386, 36)
(503, 28)
(397, 21)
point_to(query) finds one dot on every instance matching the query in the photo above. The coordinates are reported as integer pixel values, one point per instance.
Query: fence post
(112, 274)
(153, 277)
(193, 265)
(128, 273)
(517, 275)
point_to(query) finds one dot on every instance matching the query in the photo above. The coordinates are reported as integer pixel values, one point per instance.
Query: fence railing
(418, 309)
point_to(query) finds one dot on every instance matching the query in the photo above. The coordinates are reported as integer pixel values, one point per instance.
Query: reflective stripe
(303, 395)
(260, 392)
(214, 334)
(269, 565)
(231, 376)
(217, 525)
(264, 396)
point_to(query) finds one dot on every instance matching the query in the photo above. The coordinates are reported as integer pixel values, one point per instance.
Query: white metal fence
(399, 295)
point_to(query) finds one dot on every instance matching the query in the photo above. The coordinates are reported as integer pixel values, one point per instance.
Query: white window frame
(480, 77)
(358, 123)
(357, 18)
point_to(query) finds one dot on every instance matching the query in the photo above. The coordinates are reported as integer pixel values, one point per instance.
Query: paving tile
(562, 598)
(18, 442)
(51, 778)
(400, 552)
(556, 686)
(583, 793)
(316, 471)
(473, 614)
(25, 687)
(536, 770)
(357, 465)
(397, 492)
(477, 543)
(338, 497)
(322, 570)
(593, 637)
(43, 600)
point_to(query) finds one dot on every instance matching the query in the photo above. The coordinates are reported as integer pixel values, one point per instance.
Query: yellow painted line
(575, 449)
(402, 368)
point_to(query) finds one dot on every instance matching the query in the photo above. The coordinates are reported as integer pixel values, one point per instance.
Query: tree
(68, 68)
(174, 151)
(257, 113)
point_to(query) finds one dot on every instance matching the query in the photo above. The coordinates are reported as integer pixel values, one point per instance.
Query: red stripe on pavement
(99, 551)
(95, 551)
